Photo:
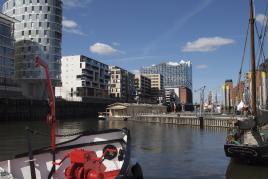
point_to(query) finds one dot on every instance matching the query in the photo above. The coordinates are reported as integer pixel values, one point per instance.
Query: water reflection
(236, 170)
(170, 151)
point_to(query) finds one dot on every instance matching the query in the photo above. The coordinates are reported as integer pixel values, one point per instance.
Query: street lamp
(202, 90)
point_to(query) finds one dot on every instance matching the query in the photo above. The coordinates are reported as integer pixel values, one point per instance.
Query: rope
(242, 61)
(263, 31)
(243, 56)
(261, 52)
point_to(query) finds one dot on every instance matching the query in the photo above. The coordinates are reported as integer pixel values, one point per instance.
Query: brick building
(186, 96)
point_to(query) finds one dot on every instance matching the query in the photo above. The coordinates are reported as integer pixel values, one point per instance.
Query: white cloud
(74, 31)
(103, 49)
(76, 3)
(71, 26)
(261, 18)
(69, 23)
(206, 44)
(203, 66)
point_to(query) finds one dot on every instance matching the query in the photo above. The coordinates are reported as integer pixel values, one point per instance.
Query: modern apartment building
(157, 86)
(8, 86)
(37, 32)
(175, 74)
(121, 84)
(143, 88)
(172, 95)
(82, 78)
(180, 95)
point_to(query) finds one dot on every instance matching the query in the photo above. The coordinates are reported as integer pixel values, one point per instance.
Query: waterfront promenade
(190, 119)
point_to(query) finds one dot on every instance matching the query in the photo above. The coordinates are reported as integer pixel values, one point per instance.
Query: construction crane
(202, 94)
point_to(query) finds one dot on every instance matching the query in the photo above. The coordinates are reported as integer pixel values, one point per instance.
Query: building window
(25, 25)
(32, 8)
(48, 25)
(40, 8)
(40, 24)
(29, 32)
(48, 9)
(39, 40)
(22, 33)
(45, 16)
(25, 9)
(37, 32)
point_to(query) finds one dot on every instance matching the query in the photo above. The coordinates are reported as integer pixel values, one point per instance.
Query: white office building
(82, 78)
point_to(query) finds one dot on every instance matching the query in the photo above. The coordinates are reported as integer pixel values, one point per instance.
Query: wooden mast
(253, 66)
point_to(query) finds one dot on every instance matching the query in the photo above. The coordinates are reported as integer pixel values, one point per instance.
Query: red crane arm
(51, 116)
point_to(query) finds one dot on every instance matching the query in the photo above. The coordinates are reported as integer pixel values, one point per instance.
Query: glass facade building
(174, 74)
(37, 32)
(7, 50)
(8, 86)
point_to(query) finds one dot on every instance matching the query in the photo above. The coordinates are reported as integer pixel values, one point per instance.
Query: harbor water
(163, 150)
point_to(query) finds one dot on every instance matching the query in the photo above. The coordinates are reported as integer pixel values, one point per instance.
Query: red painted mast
(51, 117)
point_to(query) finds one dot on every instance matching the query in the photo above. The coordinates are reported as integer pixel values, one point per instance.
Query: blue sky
(135, 33)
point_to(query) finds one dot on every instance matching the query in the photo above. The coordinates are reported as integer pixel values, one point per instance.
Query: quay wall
(211, 121)
(24, 109)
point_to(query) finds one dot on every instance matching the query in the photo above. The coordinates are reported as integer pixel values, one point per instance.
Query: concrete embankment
(209, 121)
(24, 109)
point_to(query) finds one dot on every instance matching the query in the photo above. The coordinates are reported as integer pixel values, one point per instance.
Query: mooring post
(201, 122)
(30, 153)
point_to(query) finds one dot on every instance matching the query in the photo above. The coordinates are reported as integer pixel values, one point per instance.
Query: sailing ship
(245, 142)
(87, 155)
